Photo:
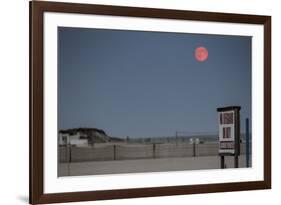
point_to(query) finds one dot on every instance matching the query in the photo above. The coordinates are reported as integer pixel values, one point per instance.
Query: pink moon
(201, 53)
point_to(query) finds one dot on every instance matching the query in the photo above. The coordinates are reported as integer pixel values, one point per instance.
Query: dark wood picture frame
(37, 9)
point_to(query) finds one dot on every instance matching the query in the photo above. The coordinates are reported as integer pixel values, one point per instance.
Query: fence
(124, 151)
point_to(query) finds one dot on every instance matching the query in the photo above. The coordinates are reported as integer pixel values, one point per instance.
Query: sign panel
(229, 130)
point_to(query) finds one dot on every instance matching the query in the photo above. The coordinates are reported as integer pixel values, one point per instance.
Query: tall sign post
(229, 133)
(247, 143)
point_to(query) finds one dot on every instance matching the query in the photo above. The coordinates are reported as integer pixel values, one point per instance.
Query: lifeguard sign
(229, 130)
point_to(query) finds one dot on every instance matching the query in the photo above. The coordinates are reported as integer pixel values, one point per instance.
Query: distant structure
(84, 137)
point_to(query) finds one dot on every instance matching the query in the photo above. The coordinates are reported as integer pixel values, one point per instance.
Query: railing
(127, 151)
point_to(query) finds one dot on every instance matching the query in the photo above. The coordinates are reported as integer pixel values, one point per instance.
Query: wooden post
(222, 162)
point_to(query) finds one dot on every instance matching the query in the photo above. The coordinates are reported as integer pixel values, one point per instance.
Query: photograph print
(145, 101)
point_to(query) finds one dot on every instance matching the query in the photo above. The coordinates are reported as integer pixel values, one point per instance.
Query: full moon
(201, 53)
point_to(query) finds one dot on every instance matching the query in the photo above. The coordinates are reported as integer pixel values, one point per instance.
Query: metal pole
(154, 149)
(70, 155)
(176, 138)
(69, 158)
(247, 143)
(222, 162)
(194, 151)
(236, 161)
(114, 152)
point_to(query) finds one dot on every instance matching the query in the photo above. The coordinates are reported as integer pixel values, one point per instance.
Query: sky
(149, 84)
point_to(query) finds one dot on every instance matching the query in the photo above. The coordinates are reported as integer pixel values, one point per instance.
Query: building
(82, 137)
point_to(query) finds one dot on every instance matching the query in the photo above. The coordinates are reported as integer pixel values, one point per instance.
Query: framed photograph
(138, 102)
